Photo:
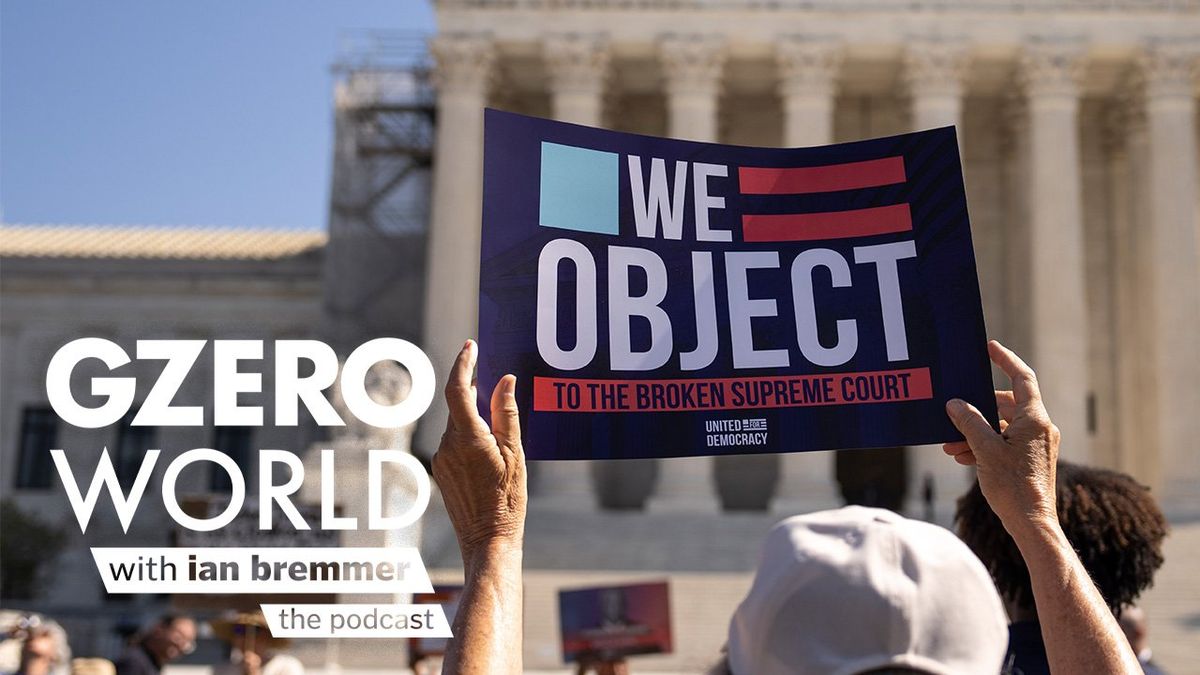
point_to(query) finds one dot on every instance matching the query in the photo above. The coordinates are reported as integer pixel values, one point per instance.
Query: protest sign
(610, 622)
(658, 297)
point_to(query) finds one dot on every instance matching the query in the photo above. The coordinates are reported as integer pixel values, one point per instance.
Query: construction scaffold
(379, 201)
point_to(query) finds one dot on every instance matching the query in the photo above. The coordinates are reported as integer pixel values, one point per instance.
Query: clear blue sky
(174, 112)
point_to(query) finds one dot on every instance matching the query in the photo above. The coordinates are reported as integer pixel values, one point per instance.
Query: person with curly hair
(1112, 522)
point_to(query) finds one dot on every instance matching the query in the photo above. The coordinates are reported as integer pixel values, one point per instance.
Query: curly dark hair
(1110, 519)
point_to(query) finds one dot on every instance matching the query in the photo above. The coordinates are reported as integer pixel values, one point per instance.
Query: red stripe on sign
(827, 225)
(832, 178)
(555, 394)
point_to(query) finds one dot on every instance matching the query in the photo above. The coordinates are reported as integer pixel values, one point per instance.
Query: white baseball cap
(856, 589)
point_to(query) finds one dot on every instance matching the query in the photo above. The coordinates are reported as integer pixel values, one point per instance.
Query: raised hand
(1016, 468)
(481, 471)
(1016, 475)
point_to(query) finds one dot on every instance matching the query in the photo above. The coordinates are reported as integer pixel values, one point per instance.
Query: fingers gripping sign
(481, 470)
(961, 450)
(1016, 468)
(1016, 475)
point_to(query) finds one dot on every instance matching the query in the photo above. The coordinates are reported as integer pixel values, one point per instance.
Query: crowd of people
(1048, 559)
(43, 647)
(1041, 576)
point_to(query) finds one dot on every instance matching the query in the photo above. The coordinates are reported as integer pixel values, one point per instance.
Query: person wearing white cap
(860, 589)
(843, 592)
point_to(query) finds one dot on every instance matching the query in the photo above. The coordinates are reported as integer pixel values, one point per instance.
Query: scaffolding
(374, 262)
(379, 201)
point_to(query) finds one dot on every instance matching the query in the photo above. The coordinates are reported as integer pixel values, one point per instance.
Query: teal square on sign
(579, 189)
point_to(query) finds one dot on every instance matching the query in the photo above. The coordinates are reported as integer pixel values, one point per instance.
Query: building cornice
(1022, 7)
(158, 243)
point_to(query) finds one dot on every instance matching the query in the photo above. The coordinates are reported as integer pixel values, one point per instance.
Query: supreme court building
(1077, 123)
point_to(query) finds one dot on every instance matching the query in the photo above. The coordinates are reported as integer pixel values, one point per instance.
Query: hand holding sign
(1016, 466)
(1017, 477)
(481, 471)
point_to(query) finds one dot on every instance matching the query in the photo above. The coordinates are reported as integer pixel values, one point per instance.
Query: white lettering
(742, 309)
(700, 175)
(885, 257)
(648, 209)
(585, 305)
(622, 307)
(806, 312)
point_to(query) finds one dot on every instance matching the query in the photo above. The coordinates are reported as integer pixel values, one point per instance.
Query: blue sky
(175, 112)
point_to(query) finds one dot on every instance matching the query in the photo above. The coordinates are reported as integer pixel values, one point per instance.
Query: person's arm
(481, 474)
(252, 663)
(1016, 472)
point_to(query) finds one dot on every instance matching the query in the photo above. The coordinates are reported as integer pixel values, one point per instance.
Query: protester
(587, 666)
(39, 653)
(170, 637)
(43, 646)
(858, 589)
(255, 651)
(481, 473)
(1133, 622)
(1110, 520)
(92, 666)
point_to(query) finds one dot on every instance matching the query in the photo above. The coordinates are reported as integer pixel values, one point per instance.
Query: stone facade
(169, 293)
(128, 284)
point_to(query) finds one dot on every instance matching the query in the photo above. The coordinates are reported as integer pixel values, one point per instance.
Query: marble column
(1173, 304)
(1127, 190)
(578, 68)
(934, 73)
(1050, 73)
(463, 71)
(808, 73)
(808, 69)
(1016, 330)
(692, 67)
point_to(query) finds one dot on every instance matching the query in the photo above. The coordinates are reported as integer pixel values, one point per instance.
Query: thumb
(970, 423)
(506, 424)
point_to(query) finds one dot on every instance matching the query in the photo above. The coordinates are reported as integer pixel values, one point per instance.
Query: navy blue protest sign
(660, 298)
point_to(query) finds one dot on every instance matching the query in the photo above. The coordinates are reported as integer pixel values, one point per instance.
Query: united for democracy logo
(720, 433)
